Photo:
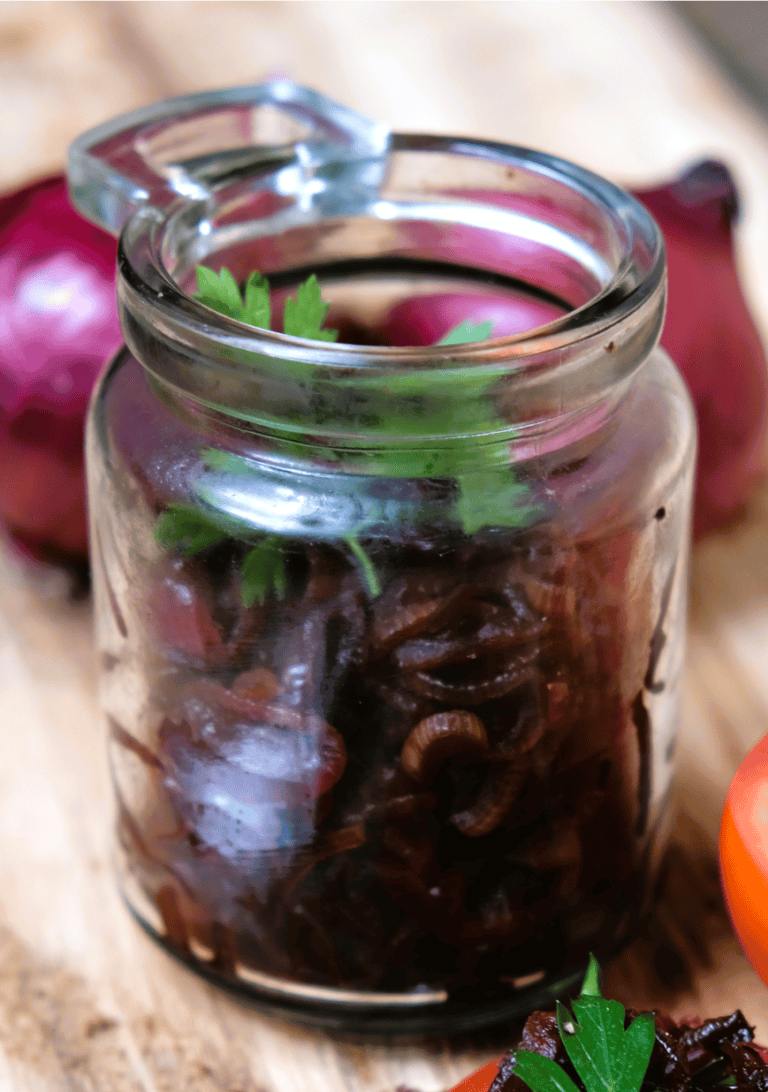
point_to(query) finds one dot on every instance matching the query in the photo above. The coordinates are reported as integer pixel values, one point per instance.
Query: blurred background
(634, 91)
(627, 99)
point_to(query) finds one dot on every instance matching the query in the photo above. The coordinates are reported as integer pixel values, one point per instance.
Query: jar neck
(487, 210)
(385, 417)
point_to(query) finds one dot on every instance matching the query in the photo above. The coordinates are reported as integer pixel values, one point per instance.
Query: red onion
(423, 320)
(709, 333)
(58, 324)
(711, 336)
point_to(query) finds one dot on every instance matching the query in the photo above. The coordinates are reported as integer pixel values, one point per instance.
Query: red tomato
(480, 1081)
(744, 856)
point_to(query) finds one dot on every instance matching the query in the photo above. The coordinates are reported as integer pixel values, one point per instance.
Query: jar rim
(630, 302)
(621, 296)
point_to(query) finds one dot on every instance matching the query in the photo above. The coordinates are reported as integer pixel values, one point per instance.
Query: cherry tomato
(744, 856)
(480, 1081)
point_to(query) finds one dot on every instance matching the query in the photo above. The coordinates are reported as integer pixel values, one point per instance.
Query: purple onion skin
(709, 333)
(423, 320)
(58, 325)
(712, 338)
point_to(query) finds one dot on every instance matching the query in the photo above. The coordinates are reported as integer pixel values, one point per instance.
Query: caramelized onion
(403, 807)
(560, 852)
(248, 627)
(496, 799)
(394, 624)
(339, 841)
(402, 701)
(180, 617)
(442, 736)
(325, 576)
(258, 684)
(553, 600)
(334, 757)
(474, 692)
(500, 629)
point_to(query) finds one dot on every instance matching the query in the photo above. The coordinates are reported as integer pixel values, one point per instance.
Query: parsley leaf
(590, 987)
(542, 1074)
(488, 497)
(305, 315)
(491, 498)
(182, 527)
(263, 570)
(219, 291)
(256, 311)
(606, 1057)
(467, 331)
(217, 459)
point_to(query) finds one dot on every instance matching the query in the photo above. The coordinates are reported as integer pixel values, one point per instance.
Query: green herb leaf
(217, 459)
(263, 571)
(487, 497)
(541, 1074)
(491, 498)
(590, 987)
(182, 527)
(467, 331)
(219, 291)
(370, 576)
(305, 315)
(605, 1056)
(257, 311)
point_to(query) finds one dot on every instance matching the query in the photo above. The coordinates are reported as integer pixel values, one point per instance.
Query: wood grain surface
(86, 1001)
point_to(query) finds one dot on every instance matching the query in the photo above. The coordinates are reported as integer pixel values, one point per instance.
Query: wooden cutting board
(87, 1002)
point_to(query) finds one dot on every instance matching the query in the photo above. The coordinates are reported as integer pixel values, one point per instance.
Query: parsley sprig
(263, 571)
(606, 1056)
(191, 531)
(467, 331)
(302, 317)
(489, 496)
(186, 529)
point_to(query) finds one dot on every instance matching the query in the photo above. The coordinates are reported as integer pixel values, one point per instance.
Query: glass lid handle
(189, 146)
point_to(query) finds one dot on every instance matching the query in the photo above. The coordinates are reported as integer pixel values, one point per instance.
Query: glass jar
(390, 638)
